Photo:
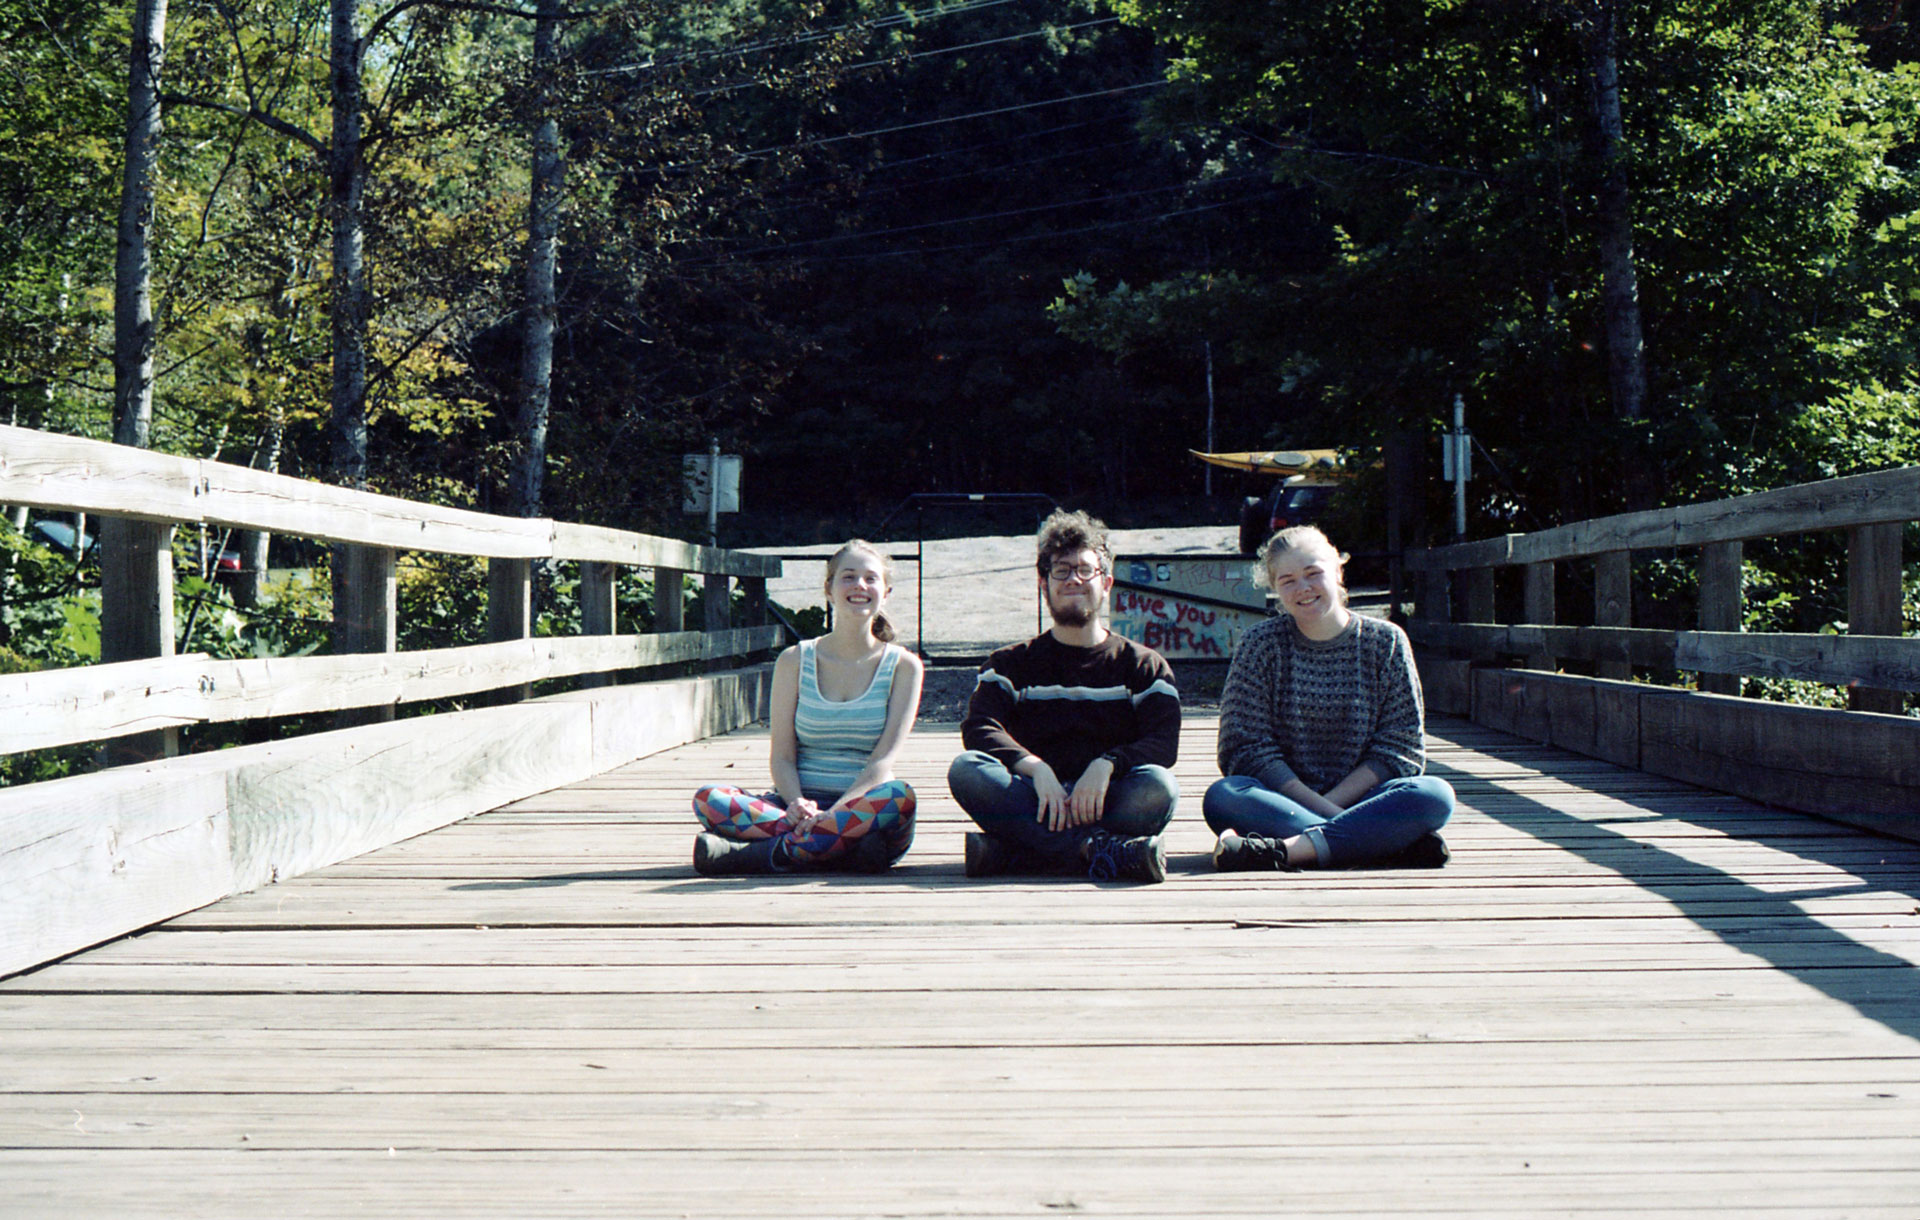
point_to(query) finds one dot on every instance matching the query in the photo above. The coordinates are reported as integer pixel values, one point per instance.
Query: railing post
(510, 613)
(1538, 610)
(754, 590)
(1433, 601)
(719, 614)
(1722, 604)
(1613, 602)
(669, 600)
(136, 616)
(365, 614)
(1873, 602)
(597, 609)
(1480, 602)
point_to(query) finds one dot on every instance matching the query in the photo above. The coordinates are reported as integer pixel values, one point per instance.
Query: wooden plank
(109, 852)
(1890, 662)
(593, 542)
(53, 471)
(90, 703)
(1885, 497)
(94, 856)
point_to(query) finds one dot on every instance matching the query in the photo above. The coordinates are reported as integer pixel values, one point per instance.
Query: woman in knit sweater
(1322, 736)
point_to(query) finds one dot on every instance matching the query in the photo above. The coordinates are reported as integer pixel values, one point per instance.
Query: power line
(912, 55)
(960, 220)
(1025, 237)
(909, 18)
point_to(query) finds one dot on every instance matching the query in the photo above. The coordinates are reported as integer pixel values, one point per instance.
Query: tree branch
(464, 6)
(272, 121)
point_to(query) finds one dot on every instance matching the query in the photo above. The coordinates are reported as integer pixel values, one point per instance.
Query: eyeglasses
(1065, 572)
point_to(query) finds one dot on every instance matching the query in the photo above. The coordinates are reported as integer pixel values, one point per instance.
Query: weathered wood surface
(54, 471)
(1624, 996)
(93, 856)
(1889, 661)
(87, 703)
(1884, 497)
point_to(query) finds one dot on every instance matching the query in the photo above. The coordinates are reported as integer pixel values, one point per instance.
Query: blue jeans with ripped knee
(1385, 820)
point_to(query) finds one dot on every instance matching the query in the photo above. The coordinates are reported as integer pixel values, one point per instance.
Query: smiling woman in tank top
(843, 706)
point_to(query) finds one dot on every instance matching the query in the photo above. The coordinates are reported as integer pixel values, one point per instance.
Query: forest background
(1664, 250)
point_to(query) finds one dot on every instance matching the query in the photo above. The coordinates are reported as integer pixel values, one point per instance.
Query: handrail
(1859, 768)
(73, 474)
(139, 692)
(1883, 497)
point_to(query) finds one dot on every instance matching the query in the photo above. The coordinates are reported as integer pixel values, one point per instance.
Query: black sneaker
(714, 856)
(987, 856)
(1112, 858)
(1238, 853)
(1427, 851)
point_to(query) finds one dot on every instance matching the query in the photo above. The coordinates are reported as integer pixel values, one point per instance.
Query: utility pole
(1455, 450)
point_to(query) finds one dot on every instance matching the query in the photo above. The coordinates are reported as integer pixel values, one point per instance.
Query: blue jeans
(1379, 824)
(1139, 802)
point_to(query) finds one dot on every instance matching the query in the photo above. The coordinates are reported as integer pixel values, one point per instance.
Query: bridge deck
(1624, 995)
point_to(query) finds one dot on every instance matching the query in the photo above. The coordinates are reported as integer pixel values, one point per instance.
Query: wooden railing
(1862, 768)
(144, 495)
(92, 856)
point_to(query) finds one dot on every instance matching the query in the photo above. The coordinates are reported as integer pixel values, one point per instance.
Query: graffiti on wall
(1221, 604)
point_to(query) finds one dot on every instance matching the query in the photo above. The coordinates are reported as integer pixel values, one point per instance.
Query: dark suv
(1292, 502)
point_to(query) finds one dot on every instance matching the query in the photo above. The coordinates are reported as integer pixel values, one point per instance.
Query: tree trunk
(543, 224)
(346, 184)
(1619, 284)
(133, 331)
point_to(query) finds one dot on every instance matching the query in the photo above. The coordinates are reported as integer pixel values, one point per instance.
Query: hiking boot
(869, 854)
(1427, 851)
(714, 856)
(1112, 858)
(1238, 853)
(987, 856)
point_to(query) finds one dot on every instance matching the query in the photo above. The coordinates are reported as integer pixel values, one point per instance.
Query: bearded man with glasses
(1070, 735)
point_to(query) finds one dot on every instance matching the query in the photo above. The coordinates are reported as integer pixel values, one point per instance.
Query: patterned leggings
(886, 810)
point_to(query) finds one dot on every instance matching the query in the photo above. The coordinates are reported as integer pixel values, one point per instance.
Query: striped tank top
(836, 739)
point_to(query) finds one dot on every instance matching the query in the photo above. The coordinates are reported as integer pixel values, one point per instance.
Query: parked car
(60, 536)
(1300, 500)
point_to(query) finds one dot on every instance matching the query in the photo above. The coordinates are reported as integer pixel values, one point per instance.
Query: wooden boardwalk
(1624, 997)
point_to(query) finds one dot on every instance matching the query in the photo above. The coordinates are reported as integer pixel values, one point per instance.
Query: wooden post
(597, 610)
(755, 590)
(136, 616)
(1403, 491)
(1722, 606)
(1613, 602)
(1538, 609)
(1873, 602)
(669, 601)
(719, 613)
(1435, 601)
(1480, 609)
(510, 613)
(365, 614)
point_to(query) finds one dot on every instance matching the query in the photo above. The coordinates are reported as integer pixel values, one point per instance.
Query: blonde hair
(1297, 538)
(882, 627)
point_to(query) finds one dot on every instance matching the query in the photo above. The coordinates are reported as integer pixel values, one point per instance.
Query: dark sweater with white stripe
(1317, 709)
(1072, 705)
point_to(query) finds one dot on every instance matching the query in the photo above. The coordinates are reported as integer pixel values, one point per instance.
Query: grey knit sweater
(1315, 710)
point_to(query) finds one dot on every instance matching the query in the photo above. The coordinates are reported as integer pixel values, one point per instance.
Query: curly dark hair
(1065, 532)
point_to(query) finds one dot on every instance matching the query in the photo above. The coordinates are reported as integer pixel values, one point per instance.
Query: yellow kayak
(1326, 462)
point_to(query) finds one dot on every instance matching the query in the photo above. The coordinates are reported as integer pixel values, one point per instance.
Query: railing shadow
(1880, 986)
